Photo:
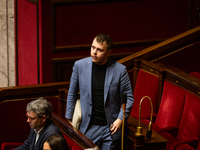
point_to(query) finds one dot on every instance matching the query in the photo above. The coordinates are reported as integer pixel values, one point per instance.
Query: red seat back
(190, 122)
(195, 74)
(146, 85)
(184, 147)
(71, 144)
(171, 107)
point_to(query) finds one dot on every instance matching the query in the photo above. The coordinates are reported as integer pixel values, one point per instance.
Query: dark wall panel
(78, 23)
(51, 30)
(186, 59)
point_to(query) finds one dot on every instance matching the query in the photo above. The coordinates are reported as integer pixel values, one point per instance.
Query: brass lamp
(139, 128)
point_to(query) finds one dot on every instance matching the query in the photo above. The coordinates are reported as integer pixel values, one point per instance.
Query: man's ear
(44, 118)
(109, 52)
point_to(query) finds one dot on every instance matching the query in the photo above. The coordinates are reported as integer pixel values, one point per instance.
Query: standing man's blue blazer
(116, 82)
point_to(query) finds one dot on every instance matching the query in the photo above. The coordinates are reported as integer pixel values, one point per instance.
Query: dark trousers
(100, 135)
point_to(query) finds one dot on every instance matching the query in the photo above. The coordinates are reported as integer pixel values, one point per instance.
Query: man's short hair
(41, 107)
(105, 38)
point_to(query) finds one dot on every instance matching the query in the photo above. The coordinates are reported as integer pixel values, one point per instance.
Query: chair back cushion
(71, 144)
(190, 122)
(146, 85)
(171, 107)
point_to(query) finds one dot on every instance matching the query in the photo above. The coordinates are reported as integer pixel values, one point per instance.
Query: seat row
(178, 117)
(176, 111)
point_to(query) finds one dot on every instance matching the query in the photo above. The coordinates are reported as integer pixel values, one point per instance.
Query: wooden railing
(31, 91)
(163, 48)
(73, 133)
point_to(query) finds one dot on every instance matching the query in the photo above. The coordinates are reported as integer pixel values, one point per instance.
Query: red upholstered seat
(195, 74)
(71, 144)
(187, 147)
(171, 109)
(184, 147)
(146, 85)
(9, 146)
(189, 128)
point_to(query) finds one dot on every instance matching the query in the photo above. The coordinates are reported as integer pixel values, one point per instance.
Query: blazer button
(89, 115)
(90, 104)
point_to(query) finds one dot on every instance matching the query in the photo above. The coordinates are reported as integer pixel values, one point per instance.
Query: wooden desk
(133, 142)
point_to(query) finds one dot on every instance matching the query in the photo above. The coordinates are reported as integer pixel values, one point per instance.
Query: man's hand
(70, 121)
(115, 126)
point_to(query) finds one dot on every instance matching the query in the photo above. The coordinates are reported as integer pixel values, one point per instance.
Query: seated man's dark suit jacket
(48, 130)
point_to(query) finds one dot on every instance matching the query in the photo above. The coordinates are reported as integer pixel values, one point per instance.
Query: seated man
(39, 114)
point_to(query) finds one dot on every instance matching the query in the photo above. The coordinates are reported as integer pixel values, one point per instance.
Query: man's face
(99, 52)
(34, 121)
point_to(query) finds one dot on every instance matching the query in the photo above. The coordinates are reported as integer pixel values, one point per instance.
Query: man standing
(101, 81)
(39, 114)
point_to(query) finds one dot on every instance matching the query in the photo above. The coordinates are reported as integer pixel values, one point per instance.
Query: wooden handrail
(30, 91)
(73, 133)
(164, 47)
(181, 79)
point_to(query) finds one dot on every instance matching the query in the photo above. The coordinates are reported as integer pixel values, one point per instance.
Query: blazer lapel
(108, 78)
(88, 76)
(33, 142)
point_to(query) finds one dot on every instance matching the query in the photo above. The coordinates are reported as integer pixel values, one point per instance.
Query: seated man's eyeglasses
(31, 118)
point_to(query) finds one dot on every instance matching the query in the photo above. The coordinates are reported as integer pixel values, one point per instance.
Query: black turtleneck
(98, 79)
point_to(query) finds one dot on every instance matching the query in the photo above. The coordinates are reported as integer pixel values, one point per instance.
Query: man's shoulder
(80, 61)
(51, 127)
(116, 64)
(51, 124)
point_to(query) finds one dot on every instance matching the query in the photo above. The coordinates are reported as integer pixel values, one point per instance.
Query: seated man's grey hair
(41, 107)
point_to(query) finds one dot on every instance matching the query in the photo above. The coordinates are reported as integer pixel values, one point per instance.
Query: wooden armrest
(73, 133)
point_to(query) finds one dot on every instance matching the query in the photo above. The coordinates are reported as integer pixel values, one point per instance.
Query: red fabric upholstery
(198, 148)
(190, 123)
(9, 146)
(171, 109)
(171, 139)
(184, 147)
(190, 141)
(189, 131)
(71, 144)
(147, 85)
(195, 74)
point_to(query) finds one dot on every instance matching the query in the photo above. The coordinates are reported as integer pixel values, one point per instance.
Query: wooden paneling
(56, 29)
(172, 45)
(75, 23)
